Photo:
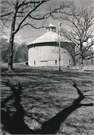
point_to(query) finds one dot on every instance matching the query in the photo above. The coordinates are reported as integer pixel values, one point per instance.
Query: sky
(29, 34)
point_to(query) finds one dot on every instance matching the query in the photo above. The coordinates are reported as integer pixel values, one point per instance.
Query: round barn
(44, 51)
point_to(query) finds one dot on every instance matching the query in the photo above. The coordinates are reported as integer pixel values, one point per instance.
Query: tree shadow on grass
(15, 124)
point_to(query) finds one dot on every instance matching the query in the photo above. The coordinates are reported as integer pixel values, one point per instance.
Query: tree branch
(40, 18)
(12, 2)
(31, 2)
(6, 14)
(27, 16)
(29, 24)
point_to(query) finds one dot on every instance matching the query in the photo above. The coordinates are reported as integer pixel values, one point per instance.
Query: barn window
(43, 61)
(55, 61)
(34, 62)
(69, 61)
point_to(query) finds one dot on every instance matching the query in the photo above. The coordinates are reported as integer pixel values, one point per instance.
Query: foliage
(4, 45)
(20, 51)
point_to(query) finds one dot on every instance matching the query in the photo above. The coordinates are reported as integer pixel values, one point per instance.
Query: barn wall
(48, 56)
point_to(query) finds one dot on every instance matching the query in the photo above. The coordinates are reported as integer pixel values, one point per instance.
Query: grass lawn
(47, 92)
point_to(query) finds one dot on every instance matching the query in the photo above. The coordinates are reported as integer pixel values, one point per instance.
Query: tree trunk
(91, 58)
(81, 49)
(10, 59)
(11, 42)
(81, 64)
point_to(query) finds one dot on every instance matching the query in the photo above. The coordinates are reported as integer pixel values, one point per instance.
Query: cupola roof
(49, 36)
(51, 25)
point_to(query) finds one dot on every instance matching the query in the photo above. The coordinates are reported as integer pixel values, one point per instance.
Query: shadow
(53, 125)
(15, 123)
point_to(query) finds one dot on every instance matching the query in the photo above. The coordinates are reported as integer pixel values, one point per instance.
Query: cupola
(51, 28)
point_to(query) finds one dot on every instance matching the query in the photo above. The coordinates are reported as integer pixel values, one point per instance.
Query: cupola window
(51, 28)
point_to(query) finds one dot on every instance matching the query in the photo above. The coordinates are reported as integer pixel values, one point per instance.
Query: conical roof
(51, 25)
(49, 36)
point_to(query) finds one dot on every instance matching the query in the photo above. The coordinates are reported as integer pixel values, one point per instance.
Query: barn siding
(47, 54)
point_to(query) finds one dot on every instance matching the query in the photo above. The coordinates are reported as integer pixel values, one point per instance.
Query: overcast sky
(29, 34)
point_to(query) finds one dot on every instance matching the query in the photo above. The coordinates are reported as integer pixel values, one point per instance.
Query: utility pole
(59, 33)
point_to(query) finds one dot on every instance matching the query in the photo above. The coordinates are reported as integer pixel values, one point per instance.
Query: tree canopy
(79, 29)
(20, 51)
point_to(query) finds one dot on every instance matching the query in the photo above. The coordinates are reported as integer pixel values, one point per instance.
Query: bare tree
(20, 13)
(80, 27)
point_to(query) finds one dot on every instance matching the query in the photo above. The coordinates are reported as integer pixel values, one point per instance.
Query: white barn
(44, 51)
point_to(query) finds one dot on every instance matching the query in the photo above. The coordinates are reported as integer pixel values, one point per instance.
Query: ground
(46, 92)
